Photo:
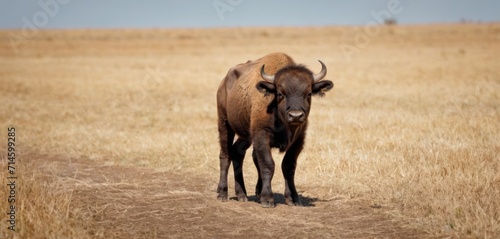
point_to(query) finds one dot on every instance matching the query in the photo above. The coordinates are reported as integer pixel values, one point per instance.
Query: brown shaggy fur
(267, 115)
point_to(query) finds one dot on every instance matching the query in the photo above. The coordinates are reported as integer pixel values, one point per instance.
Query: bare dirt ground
(116, 133)
(143, 203)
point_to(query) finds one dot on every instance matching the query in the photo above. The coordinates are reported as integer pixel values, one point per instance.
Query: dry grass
(44, 208)
(411, 125)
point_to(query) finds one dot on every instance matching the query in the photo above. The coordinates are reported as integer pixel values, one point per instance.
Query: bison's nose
(296, 116)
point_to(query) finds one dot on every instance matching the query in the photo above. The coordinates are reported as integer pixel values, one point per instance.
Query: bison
(266, 103)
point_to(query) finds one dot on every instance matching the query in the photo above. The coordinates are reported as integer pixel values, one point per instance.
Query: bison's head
(293, 87)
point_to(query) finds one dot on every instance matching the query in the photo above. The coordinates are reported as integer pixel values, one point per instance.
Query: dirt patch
(128, 202)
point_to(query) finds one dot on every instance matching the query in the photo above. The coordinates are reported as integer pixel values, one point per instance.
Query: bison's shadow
(279, 199)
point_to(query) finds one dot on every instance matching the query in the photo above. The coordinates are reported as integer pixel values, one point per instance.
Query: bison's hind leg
(237, 154)
(234, 153)
(226, 136)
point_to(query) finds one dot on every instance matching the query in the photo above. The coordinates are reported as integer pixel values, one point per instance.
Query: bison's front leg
(288, 167)
(258, 187)
(262, 150)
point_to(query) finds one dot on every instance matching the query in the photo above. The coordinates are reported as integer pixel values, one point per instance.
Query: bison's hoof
(291, 203)
(257, 196)
(222, 198)
(268, 204)
(243, 199)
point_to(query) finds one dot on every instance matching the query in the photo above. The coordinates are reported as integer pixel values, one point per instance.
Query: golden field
(116, 133)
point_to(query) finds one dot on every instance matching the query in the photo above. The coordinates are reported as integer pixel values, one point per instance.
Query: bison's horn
(265, 76)
(321, 74)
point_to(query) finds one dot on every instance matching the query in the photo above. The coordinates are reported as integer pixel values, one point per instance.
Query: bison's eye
(280, 96)
(309, 95)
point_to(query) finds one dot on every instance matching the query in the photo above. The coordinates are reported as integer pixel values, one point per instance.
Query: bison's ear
(266, 87)
(320, 87)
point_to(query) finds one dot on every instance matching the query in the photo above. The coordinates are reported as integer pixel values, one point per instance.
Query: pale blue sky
(231, 13)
